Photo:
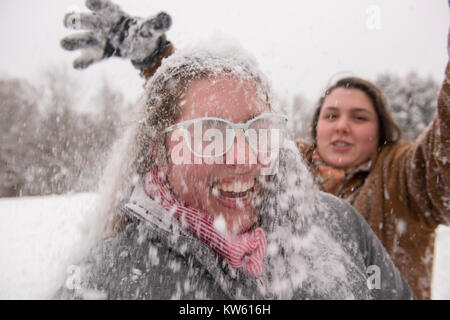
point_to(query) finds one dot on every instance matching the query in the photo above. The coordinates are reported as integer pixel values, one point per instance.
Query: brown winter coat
(404, 194)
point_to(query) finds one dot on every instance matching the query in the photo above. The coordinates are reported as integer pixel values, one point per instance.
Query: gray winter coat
(318, 247)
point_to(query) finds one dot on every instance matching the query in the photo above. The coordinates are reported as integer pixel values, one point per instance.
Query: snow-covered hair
(165, 90)
(295, 243)
(160, 106)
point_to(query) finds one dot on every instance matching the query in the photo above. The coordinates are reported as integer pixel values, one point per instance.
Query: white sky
(300, 45)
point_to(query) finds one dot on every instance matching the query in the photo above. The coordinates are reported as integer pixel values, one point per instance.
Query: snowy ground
(41, 237)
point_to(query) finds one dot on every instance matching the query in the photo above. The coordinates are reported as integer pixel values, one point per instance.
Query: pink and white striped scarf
(241, 251)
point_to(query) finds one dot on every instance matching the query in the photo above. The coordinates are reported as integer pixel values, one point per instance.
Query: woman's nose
(342, 125)
(240, 151)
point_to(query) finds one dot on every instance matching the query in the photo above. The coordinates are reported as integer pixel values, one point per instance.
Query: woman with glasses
(211, 201)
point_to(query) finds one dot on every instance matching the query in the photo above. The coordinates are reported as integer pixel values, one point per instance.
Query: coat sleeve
(352, 231)
(383, 278)
(427, 166)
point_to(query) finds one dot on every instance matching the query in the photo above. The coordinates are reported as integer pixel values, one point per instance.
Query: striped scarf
(245, 251)
(332, 179)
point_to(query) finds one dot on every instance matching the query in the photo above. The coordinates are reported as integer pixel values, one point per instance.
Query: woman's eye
(360, 118)
(330, 116)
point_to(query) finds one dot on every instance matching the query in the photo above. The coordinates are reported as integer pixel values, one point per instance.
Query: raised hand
(112, 32)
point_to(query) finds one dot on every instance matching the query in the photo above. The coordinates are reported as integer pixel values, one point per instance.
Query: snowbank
(441, 277)
(41, 237)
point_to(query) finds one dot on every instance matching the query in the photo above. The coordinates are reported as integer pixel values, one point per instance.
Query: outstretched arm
(428, 170)
(152, 67)
(112, 32)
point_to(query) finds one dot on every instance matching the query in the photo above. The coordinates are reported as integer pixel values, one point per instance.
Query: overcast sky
(300, 45)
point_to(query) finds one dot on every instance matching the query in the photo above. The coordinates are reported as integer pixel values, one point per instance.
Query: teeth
(236, 186)
(340, 144)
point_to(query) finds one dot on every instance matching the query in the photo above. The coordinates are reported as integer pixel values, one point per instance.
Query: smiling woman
(225, 229)
(218, 189)
(400, 187)
(347, 128)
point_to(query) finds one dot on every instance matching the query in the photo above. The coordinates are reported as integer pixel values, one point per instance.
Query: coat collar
(332, 179)
(164, 227)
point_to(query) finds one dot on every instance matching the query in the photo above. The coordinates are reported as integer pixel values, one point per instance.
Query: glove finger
(155, 25)
(82, 21)
(87, 58)
(103, 6)
(80, 41)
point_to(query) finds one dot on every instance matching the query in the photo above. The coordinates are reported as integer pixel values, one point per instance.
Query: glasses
(214, 137)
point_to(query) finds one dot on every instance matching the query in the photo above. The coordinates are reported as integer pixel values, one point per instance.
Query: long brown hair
(389, 130)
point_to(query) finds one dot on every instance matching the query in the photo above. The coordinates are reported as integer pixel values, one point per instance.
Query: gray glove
(112, 32)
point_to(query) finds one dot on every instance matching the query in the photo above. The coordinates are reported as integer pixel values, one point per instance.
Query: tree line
(48, 146)
(412, 100)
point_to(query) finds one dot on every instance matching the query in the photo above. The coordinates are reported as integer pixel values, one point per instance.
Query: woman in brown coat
(191, 228)
(402, 188)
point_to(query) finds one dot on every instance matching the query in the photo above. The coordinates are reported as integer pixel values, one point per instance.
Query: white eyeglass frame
(244, 126)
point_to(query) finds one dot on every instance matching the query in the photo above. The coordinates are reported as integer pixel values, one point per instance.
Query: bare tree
(412, 99)
(48, 145)
(299, 113)
(18, 121)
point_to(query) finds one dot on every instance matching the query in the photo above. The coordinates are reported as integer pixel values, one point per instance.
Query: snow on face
(299, 253)
(211, 186)
(222, 81)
